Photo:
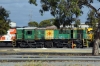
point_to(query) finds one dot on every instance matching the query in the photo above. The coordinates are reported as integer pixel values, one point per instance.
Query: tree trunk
(95, 50)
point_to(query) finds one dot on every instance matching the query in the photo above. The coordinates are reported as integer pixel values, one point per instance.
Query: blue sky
(22, 12)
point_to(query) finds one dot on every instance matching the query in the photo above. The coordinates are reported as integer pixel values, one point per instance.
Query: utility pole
(30, 16)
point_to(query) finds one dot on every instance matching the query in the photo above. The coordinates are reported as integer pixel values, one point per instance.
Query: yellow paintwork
(89, 29)
(49, 34)
(90, 35)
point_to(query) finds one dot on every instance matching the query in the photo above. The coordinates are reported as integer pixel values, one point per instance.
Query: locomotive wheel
(39, 45)
(32, 45)
(48, 44)
(69, 45)
(59, 45)
(23, 45)
(79, 46)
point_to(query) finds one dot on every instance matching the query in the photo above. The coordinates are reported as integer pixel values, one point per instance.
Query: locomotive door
(79, 34)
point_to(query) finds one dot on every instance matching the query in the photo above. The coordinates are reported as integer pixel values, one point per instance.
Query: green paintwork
(68, 33)
(56, 34)
(74, 34)
(19, 33)
(39, 34)
(84, 34)
(61, 35)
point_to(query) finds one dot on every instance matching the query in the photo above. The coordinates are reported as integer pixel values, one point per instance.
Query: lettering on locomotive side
(29, 36)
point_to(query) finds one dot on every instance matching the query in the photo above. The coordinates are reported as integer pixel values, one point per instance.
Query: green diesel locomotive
(53, 38)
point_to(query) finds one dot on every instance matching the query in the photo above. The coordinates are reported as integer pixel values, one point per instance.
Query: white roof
(27, 28)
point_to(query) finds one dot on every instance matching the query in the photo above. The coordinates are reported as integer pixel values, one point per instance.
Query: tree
(62, 10)
(4, 21)
(65, 10)
(92, 20)
(33, 24)
(77, 23)
(45, 23)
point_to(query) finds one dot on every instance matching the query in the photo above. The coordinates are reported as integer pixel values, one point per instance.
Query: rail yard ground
(56, 53)
(69, 63)
(53, 50)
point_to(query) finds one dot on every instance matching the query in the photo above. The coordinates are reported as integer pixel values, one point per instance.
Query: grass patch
(31, 63)
(40, 63)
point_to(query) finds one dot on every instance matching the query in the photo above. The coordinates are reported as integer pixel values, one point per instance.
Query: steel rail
(50, 59)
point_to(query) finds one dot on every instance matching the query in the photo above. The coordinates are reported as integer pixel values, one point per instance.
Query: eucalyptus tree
(4, 21)
(92, 20)
(45, 23)
(33, 24)
(62, 10)
(65, 10)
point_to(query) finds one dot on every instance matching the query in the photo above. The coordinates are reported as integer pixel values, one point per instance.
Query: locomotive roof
(27, 28)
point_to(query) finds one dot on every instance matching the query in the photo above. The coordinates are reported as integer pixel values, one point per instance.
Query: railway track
(14, 58)
(46, 54)
(46, 51)
(59, 56)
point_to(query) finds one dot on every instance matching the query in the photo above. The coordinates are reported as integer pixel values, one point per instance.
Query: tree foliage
(62, 10)
(45, 23)
(92, 20)
(77, 23)
(33, 24)
(4, 21)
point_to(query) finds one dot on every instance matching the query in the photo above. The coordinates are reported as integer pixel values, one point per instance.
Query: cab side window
(29, 32)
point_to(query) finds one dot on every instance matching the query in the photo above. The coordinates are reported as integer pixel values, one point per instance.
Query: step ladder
(13, 43)
(85, 43)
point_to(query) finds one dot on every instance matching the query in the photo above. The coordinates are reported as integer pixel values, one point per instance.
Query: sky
(22, 12)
